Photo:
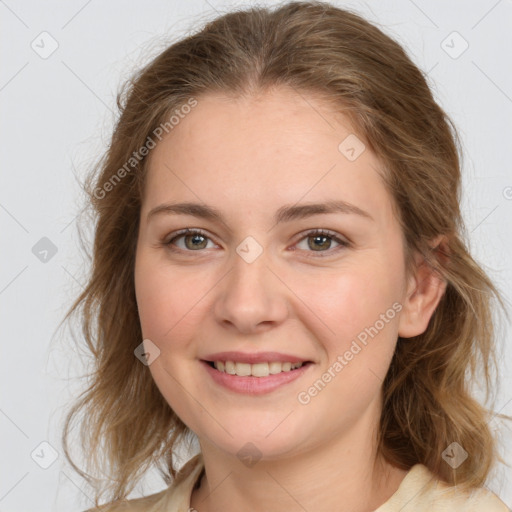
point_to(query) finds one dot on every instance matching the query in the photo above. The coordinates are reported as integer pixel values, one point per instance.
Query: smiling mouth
(257, 369)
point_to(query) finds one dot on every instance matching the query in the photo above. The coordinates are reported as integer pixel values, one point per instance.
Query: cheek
(171, 301)
(348, 300)
(169, 306)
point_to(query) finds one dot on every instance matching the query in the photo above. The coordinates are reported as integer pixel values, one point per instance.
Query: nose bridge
(251, 294)
(250, 268)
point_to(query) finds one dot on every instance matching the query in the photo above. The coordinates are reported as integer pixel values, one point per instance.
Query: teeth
(255, 370)
(259, 370)
(230, 368)
(243, 369)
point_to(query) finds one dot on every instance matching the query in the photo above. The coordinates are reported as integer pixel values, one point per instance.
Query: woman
(279, 272)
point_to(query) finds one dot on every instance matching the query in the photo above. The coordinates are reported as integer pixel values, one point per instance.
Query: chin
(257, 439)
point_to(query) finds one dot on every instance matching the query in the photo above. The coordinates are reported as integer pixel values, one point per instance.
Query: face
(269, 276)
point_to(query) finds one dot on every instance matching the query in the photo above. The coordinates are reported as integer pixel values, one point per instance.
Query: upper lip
(254, 357)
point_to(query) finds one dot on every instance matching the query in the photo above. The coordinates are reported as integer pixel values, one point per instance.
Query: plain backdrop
(62, 65)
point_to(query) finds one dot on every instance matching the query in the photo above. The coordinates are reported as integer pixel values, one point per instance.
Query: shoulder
(171, 499)
(421, 491)
(134, 505)
(477, 500)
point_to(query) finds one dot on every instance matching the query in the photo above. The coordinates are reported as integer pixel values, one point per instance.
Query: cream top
(419, 491)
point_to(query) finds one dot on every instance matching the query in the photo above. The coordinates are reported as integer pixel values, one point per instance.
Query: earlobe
(425, 290)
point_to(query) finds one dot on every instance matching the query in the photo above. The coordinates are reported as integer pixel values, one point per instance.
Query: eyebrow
(284, 214)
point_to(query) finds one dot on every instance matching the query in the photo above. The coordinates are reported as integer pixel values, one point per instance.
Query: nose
(252, 297)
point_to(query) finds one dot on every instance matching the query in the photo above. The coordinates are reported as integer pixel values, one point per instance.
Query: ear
(425, 289)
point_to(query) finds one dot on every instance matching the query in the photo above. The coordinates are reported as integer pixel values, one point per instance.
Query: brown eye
(194, 240)
(320, 241)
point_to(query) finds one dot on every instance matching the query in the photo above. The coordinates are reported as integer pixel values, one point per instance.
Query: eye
(194, 240)
(317, 240)
(320, 241)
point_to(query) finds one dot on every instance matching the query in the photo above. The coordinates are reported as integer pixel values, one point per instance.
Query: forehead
(277, 147)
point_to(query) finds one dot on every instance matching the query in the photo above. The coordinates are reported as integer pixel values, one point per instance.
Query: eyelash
(313, 232)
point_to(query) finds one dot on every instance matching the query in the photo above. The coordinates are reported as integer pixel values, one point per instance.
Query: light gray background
(57, 114)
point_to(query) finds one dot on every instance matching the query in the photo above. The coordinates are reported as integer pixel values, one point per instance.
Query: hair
(317, 49)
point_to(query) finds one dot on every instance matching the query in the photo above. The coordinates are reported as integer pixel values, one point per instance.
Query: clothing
(419, 491)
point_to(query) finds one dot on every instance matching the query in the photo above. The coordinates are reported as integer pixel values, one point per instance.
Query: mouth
(257, 378)
(259, 370)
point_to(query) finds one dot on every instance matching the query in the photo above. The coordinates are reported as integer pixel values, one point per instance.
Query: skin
(248, 158)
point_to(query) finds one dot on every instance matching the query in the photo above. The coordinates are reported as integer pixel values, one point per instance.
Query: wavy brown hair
(316, 49)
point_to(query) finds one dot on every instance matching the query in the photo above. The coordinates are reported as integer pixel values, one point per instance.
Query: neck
(340, 475)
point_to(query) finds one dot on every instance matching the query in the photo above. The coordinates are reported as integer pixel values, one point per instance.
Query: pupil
(320, 237)
(196, 238)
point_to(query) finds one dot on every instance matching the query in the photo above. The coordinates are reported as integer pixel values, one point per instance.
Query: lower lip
(255, 385)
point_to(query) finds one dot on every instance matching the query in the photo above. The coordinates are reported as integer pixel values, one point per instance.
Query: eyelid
(339, 239)
(342, 241)
(187, 231)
